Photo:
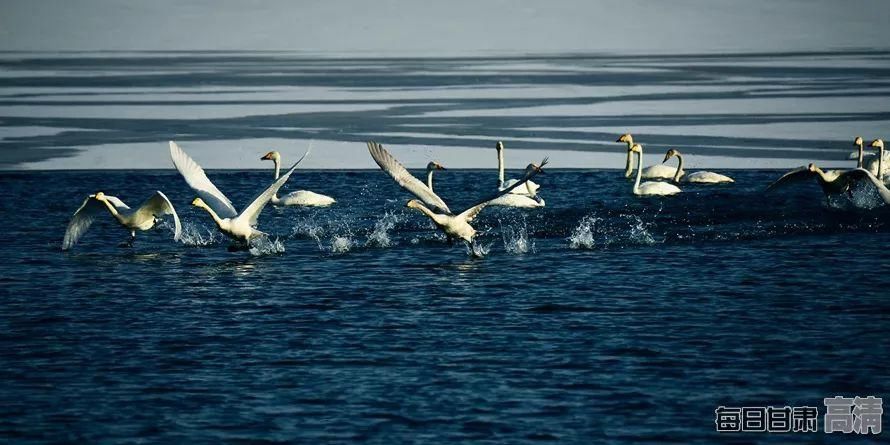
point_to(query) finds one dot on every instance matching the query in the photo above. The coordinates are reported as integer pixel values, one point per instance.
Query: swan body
(531, 188)
(661, 171)
(455, 226)
(299, 198)
(650, 188)
(142, 219)
(701, 177)
(240, 227)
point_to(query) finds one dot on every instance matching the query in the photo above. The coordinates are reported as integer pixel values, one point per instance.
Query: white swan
(650, 188)
(143, 218)
(431, 205)
(531, 188)
(700, 177)
(832, 182)
(878, 164)
(628, 163)
(240, 227)
(302, 198)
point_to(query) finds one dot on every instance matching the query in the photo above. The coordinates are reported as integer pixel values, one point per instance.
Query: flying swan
(701, 177)
(651, 188)
(143, 218)
(431, 205)
(301, 198)
(833, 182)
(240, 227)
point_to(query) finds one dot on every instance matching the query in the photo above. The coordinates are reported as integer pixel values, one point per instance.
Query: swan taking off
(833, 182)
(650, 188)
(240, 227)
(301, 198)
(431, 205)
(701, 177)
(143, 218)
(524, 196)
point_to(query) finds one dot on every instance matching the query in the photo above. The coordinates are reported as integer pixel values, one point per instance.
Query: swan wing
(794, 176)
(861, 174)
(84, 216)
(196, 178)
(158, 206)
(471, 213)
(405, 179)
(252, 211)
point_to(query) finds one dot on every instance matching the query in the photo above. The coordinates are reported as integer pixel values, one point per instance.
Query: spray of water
(594, 232)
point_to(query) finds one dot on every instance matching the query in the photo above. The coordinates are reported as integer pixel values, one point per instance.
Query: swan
(658, 171)
(143, 218)
(531, 188)
(302, 198)
(702, 177)
(833, 182)
(877, 164)
(650, 188)
(240, 227)
(431, 205)
(628, 163)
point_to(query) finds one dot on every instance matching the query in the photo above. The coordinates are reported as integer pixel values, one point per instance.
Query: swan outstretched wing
(471, 213)
(157, 206)
(797, 175)
(252, 211)
(404, 178)
(861, 174)
(196, 178)
(84, 216)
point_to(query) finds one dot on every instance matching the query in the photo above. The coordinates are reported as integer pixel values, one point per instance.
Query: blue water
(600, 318)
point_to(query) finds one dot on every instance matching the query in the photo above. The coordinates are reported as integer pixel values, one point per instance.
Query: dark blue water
(600, 318)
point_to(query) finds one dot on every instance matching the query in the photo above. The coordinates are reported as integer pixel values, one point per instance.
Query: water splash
(199, 236)
(309, 228)
(477, 250)
(516, 239)
(379, 236)
(594, 232)
(341, 244)
(265, 246)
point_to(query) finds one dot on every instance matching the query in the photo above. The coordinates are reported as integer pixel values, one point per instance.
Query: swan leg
(129, 241)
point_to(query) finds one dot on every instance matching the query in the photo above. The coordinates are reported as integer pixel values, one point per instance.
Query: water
(600, 318)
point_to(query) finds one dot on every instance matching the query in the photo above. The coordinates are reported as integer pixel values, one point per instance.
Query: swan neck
(859, 163)
(881, 162)
(111, 208)
(501, 167)
(429, 178)
(425, 211)
(679, 169)
(213, 215)
(639, 172)
(277, 166)
(628, 164)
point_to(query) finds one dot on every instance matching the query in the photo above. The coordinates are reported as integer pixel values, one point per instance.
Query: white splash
(265, 246)
(477, 250)
(198, 236)
(341, 244)
(594, 232)
(380, 235)
(516, 239)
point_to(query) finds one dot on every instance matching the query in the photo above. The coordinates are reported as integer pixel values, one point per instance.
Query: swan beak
(197, 202)
(620, 139)
(440, 167)
(266, 157)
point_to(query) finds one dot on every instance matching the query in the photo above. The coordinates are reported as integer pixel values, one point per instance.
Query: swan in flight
(833, 182)
(301, 198)
(143, 218)
(531, 189)
(240, 227)
(701, 177)
(628, 163)
(431, 205)
(650, 188)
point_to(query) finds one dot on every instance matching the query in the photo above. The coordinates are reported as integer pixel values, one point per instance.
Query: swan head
(434, 166)
(670, 153)
(414, 204)
(537, 168)
(877, 143)
(626, 137)
(812, 167)
(499, 146)
(636, 148)
(271, 156)
(99, 196)
(858, 140)
(198, 202)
